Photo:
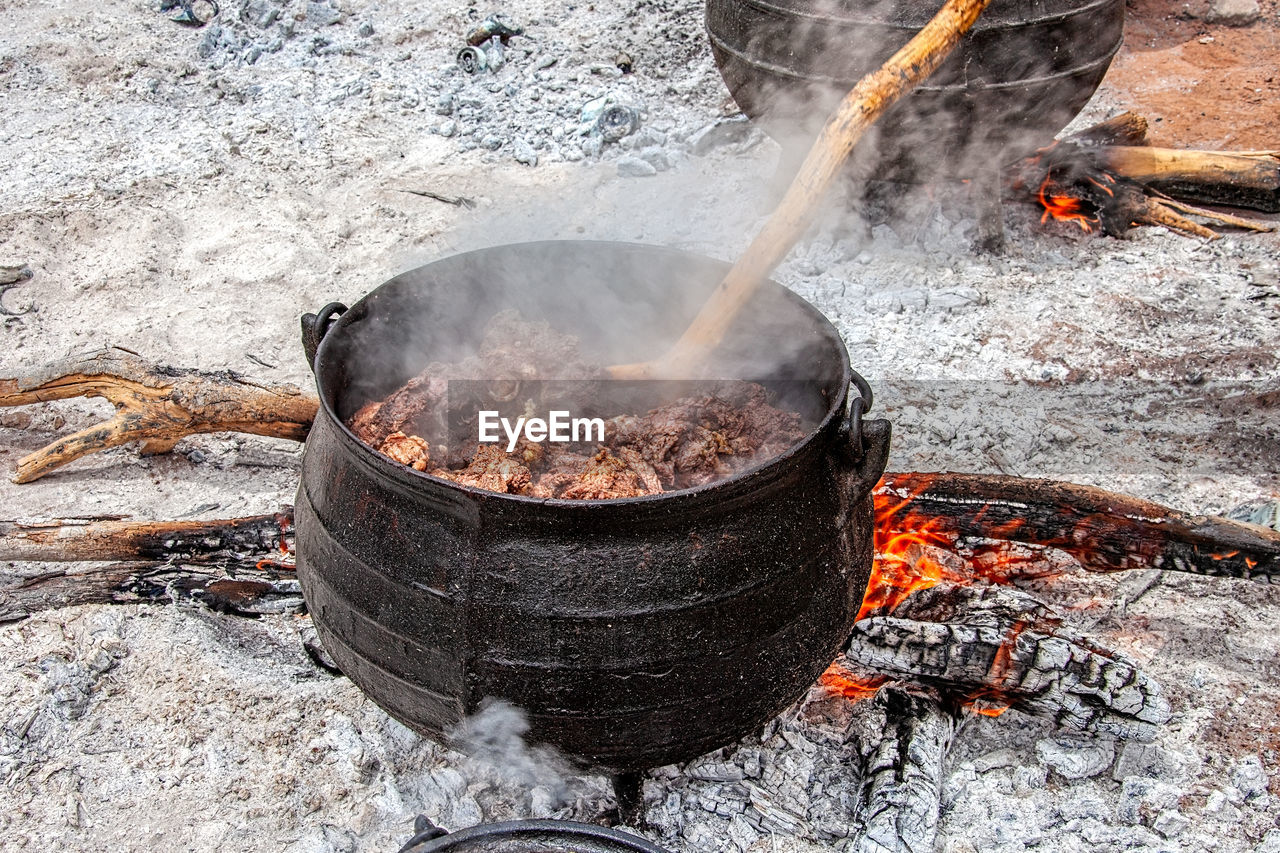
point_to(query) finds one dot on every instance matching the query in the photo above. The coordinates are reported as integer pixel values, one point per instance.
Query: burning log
(1073, 185)
(997, 648)
(1104, 531)
(1248, 179)
(155, 405)
(1106, 176)
(903, 775)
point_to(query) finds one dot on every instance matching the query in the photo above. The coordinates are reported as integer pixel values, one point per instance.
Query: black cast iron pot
(634, 632)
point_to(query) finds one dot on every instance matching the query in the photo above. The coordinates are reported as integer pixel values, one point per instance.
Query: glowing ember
(986, 707)
(282, 519)
(841, 682)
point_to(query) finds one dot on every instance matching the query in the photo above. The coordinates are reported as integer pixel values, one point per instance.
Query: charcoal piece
(903, 775)
(1000, 647)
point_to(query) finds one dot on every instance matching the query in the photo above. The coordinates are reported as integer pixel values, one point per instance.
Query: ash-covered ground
(188, 193)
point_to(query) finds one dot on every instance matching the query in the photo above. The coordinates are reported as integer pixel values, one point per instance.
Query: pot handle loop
(867, 447)
(314, 328)
(858, 406)
(424, 831)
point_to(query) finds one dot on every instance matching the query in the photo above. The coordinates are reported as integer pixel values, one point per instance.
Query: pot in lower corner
(633, 632)
(529, 836)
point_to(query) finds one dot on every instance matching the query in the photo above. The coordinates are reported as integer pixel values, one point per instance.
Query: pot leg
(629, 789)
(987, 188)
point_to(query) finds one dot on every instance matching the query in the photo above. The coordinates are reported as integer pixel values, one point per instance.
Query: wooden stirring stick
(864, 104)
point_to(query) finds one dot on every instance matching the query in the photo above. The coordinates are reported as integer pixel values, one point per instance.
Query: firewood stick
(864, 104)
(147, 581)
(159, 560)
(1121, 534)
(1239, 179)
(1103, 530)
(1128, 128)
(72, 540)
(1216, 216)
(1153, 212)
(156, 406)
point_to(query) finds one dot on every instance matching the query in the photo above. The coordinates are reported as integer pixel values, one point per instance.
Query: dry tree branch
(154, 405)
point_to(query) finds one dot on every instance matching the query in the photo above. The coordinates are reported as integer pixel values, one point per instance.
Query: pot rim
(414, 479)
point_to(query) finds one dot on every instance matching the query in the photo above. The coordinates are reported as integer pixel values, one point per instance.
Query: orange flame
(1064, 208)
(910, 548)
(903, 563)
(914, 551)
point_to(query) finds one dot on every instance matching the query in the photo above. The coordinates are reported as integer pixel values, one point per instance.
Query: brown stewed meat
(696, 439)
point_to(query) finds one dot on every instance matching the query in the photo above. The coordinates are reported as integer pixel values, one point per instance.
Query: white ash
(192, 206)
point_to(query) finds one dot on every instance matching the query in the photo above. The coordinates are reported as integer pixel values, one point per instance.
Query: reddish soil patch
(1201, 85)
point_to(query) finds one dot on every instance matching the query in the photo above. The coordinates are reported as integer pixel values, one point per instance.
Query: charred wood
(221, 588)
(230, 565)
(903, 775)
(997, 648)
(1103, 530)
(1238, 179)
(224, 541)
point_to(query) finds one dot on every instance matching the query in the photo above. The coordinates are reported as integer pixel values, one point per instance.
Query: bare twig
(455, 200)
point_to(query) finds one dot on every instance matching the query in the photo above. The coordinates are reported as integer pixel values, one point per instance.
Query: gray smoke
(493, 741)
